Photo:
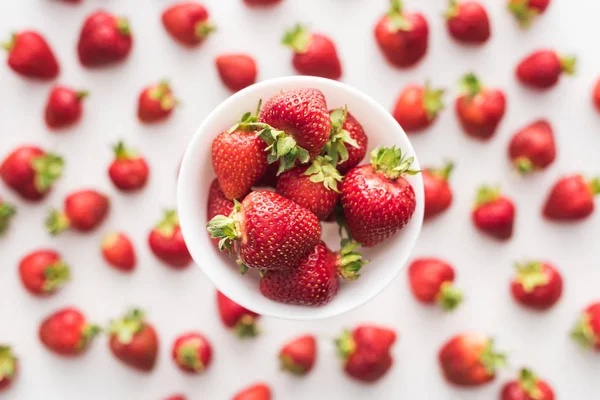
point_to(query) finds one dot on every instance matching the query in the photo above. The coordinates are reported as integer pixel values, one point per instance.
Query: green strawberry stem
(48, 168)
(227, 229)
(298, 38)
(449, 298)
(345, 345)
(531, 275)
(390, 162)
(123, 26)
(7, 211)
(128, 326)
(322, 171)
(349, 262)
(396, 20)
(443, 173)
(343, 230)
(55, 276)
(595, 186)
(335, 147)
(524, 165)
(188, 356)
(8, 363)
(486, 194)
(490, 359)
(583, 333)
(452, 10)
(529, 383)
(287, 364)
(162, 93)
(522, 12)
(89, 332)
(204, 29)
(124, 153)
(246, 327)
(169, 223)
(568, 64)
(8, 46)
(432, 101)
(471, 85)
(57, 222)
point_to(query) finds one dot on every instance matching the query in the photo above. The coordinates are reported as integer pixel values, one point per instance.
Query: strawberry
(187, 23)
(431, 281)
(479, 109)
(270, 177)
(366, 351)
(217, 204)
(348, 142)
(118, 252)
(571, 198)
(9, 365)
(314, 54)
(303, 117)
(134, 341)
(314, 187)
(236, 317)
(275, 233)
(469, 359)
(63, 108)
(156, 103)
(167, 243)
(314, 281)
(298, 356)
(542, 69)
(417, 107)
(468, 22)
(402, 36)
(596, 95)
(67, 332)
(527, 387)
(7, 212)
(438, 194)
(493, 213)
(192, 352)
(258, 391)
(538, 285)
(43, 272)
(31, 172)
(533, 148)
(128, 171)
(261, 2)
(587, 330)
(237, 71)
(84, 211)
(526, 10)
(376, 199)
(104, 40)
(30, 55)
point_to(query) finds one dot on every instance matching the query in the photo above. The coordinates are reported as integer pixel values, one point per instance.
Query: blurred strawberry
(31, 172)
(438, 194)
(128, 171)
(30, 55)
(217, 204)
(188, 23)
(9, 367)
(493, 213)
(526, 10)
(596, 95)
(118, 251)
(67, 332)
(258, 391)
(431, 281)
(314, 54)
(156, 103)
(527, 387)
(538, 285)
(7, 212)
(176, 397)
(402, 36)
(167, 243)
(134, 341)
(84, 211)
(417, 107)
(542, 69)
(468, 22)
(533, 148)
(104, 39)
(348, 142)
(43, 272)
(298, 356)
(587, 330)
(192, 352)
(237, 71)
(240, 319)
(261, 2)
(571, 198)
(63, 108)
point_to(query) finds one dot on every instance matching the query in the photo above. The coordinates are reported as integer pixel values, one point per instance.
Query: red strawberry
(493, 213)
(302, 114)
(84, 211)
(104, 39)
(469, 359)
(134, 341)
(187, 23)
(468, 22)
(538, 285)
(217, 204)
(270, 177)
(63, 108)
(313, 187)
(402, 36)
(533, 148)
(261, 2)
(596, 95)
(9, 365)
(176, 397)
(376, 199)
(417, 107)
(479, 109)
(587, 330)
(314, 54)
(43, 272)
(31, 172)
(431, 281)
(67, 332)
(118, 252)
(438, 194)
(526, 10)
(167, 243)
(299, 355)
(542, 68)
(240, 319)
(156, 103)
(7, 212)
(527, 387)
(366, 351)
(192, 352)
(128, 171)
(571, 199)
(275, 233)
(30, 55)
(237, 71)
(258, 391)
(314, 281)
(348, 142)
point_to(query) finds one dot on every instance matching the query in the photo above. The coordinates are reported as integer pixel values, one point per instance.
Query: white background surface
(181, 301)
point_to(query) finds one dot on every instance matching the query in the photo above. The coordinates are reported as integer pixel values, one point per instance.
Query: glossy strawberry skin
(31, 56)
(232, 313)
(571, 199)
(141, 352)
(153, 109)
(33, 271)
(426, 276)
(370, 358)
(104, 40)
(355, 154)
(403, 49)
(410, 111)
(542, 297)
(63, 108)
(496, 218)
(182, 20)
(170, 247)
(460, 360)
(319, 59)
(64, 332)
(438, 194)
(217, 204)
(470, 23)
(480, 116)
(86, 209)
(129, 174)
(237, 71)
(198, 345)
(299, 355)
(540, 70)
(596, 96)
(258, 391)
(118, 251)
(533, 147)
(514, 391)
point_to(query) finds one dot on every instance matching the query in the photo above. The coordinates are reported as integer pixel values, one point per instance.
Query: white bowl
(196, 175)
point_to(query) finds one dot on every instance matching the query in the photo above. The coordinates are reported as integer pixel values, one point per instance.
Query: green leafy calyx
(396, 20)
(336, 148)
(531, 275)
(490, 359)
(57, 222)
(529, 383)
(204, 29)
(48, 168)
(583, 333)
(227, 229)
(7, 211)
(322, 171)
(390, 162)
(298, 38)
(124, 153)
(345, 345)
(470, 85)
(349, 262)
(487, 194)
(449, 298)
(8, 363)
(522, 12)
(432, 101)
(55, 276)
(127, 327)
(168, 224)
(445, 172)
